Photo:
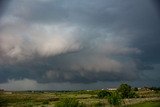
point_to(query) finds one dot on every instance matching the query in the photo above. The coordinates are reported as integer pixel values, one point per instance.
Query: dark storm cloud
(62, 68)
(157, 4)
(3, 6)
(79, 41)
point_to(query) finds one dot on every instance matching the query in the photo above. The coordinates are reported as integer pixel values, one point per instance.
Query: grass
(146, 104)
(32, 99)
(69, 102)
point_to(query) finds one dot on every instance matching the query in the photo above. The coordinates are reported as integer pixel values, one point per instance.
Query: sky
(79, 44)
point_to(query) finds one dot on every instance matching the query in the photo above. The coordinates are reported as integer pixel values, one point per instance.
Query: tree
(115, 99)
(125, 90)
(103, 94)
(135, 89)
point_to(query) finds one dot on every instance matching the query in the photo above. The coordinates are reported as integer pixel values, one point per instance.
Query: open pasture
(49, 98)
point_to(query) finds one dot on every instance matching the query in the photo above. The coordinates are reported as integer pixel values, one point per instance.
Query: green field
(88, 98)
(146, 104)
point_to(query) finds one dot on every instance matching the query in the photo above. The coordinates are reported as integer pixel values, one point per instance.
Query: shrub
(3, 102)
(29, 104)
(126, 91)
(132, 94)
(115, 99)
(69, 102)
(99, 104)
(135, 89)
(46, 102)
(103, 94)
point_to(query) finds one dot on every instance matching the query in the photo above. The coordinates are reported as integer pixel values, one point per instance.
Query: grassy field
(89, 98)
(146, 104)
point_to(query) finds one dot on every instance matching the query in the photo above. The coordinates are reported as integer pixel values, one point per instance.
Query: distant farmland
(87, 98)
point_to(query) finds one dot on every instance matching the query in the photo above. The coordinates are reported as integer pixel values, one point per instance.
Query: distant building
(145, 88)
(111, 88)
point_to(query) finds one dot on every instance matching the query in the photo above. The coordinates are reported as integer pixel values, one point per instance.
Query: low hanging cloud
(28, 84)
(92, 69)
(24, 84)
(102, 63)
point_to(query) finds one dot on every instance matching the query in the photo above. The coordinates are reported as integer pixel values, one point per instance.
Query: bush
(135, 89)
(103, 94)
(29, 104)
(99, 104)
(46, 102)
(115, 99)
(3, 102)
(132, 94)
(125, 90)
(69, 102)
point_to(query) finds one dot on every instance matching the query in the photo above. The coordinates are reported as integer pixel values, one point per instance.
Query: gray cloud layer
(79, 41)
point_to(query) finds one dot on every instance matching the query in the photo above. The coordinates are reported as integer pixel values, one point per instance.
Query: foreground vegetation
(125, 96)
(146, 104)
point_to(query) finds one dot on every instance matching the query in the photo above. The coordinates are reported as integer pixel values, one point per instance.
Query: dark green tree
(135, 89)
(103, 94)
(115, 99)
(125, 90)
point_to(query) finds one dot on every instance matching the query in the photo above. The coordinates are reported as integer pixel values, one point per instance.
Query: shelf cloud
(78, 42)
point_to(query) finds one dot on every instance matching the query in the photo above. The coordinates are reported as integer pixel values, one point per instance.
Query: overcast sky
(79, 44)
